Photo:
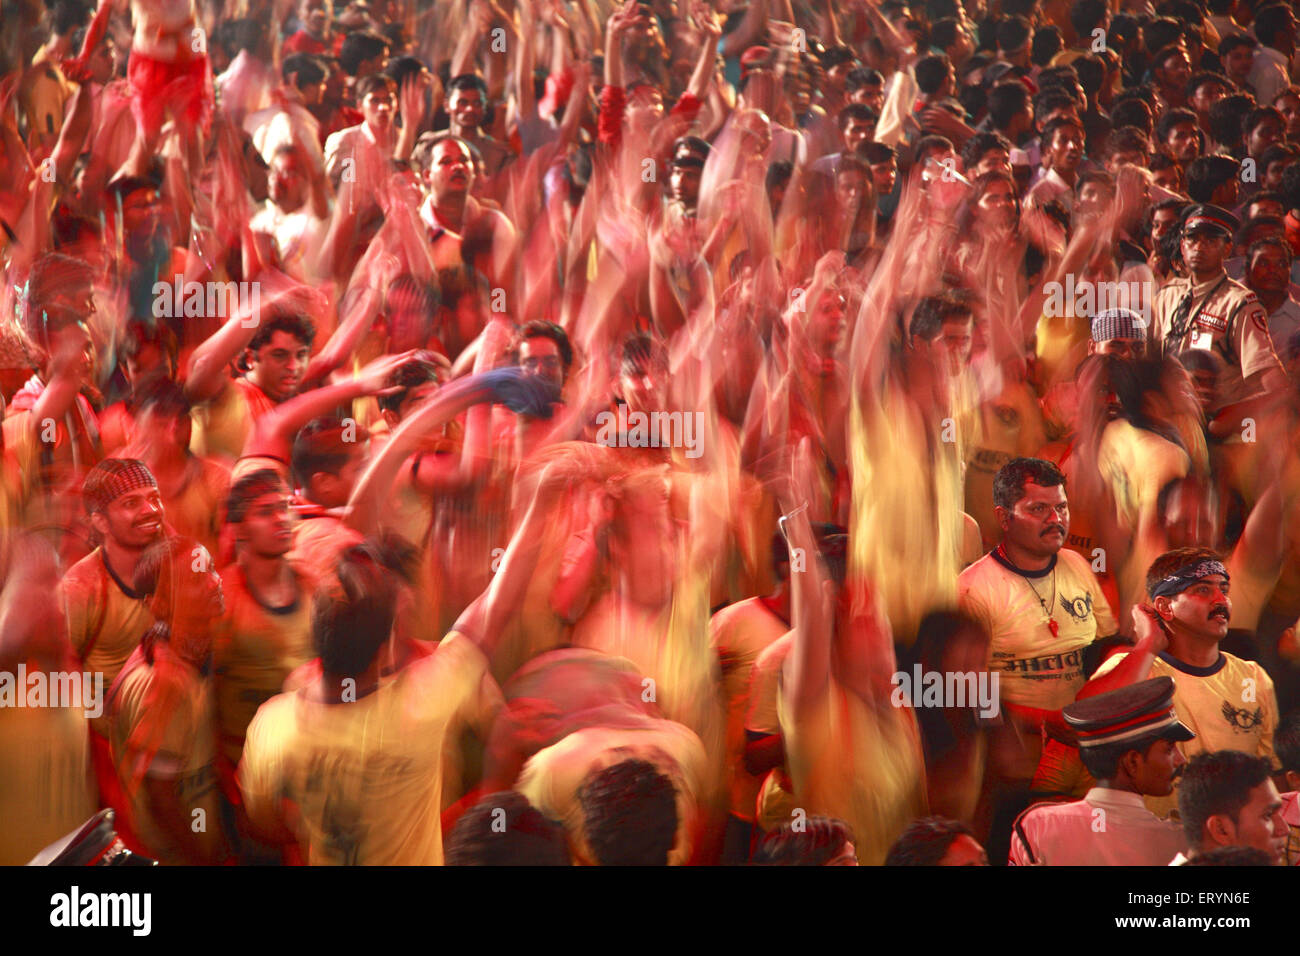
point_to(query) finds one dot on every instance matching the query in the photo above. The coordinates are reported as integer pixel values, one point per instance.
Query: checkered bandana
(112, 478)
(1118, 324)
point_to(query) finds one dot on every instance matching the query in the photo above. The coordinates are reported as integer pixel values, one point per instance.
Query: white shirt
(1106, 828)
(359, 144)
(1051, 186)
(296, 234)
(1283, 323)
(1268, 74)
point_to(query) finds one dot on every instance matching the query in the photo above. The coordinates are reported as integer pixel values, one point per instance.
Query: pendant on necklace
(1054, 627)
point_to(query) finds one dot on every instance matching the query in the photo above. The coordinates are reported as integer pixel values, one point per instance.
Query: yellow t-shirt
(739, 634)
(222, 426)
(366, 776)
(197, 510)
(1007, 426)
(105, 620)
(163, 727)
(860, 764)
(1035, 668)
(1137, 463)
(47, 791)
(255, 648)
(774, 801)
(319, 539)
(1229, 706)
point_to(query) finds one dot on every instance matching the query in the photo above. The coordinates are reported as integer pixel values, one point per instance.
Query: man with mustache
(1227, 701)
(1044, 611)
(1128, 741)
(1208, 311)
(462, 231)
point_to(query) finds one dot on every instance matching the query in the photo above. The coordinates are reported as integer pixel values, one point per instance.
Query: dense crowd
(786, 432)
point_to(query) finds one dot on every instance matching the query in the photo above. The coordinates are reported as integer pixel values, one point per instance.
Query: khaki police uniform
(1221, 316)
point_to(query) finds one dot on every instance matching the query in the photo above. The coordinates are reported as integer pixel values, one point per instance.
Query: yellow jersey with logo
(1229, 705)
(1037, 668)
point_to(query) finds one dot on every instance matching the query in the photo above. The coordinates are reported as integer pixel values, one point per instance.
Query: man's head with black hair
(1178, 135)
(1031, 508)
(1261, 128)
(629, 813)
(857, 124)
(1274, 161)
(1011, 110)
(1213, 179)
(543, 349)
(1134, 113)
(985, 152)
(412, 382)
(277, 355)
(1160, 34)
(353, 611)
(866, 86)
(503, 829)
(1275, 26)
(363, 52)
(1054, 103)
(1013, 37)
(936, 841)
(327, 458)
(942, 328)
(467, 103)
(1088, 15)
(1227, 798)
(1225, 120)
(1047, 42)
(815, 841)
(1237, 54)
(1126, 145)
(1204, 89)
(257, 511)
(934, 76)
(306, 74)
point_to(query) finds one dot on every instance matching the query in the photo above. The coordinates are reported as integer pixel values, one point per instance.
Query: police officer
(1128, 741)
(1208, 311)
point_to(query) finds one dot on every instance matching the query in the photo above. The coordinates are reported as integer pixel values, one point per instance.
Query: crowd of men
(779, 432)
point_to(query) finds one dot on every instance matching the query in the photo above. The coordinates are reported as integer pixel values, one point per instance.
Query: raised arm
(1136, 666)
(207, 375)
(485, 619)
(272, 436)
